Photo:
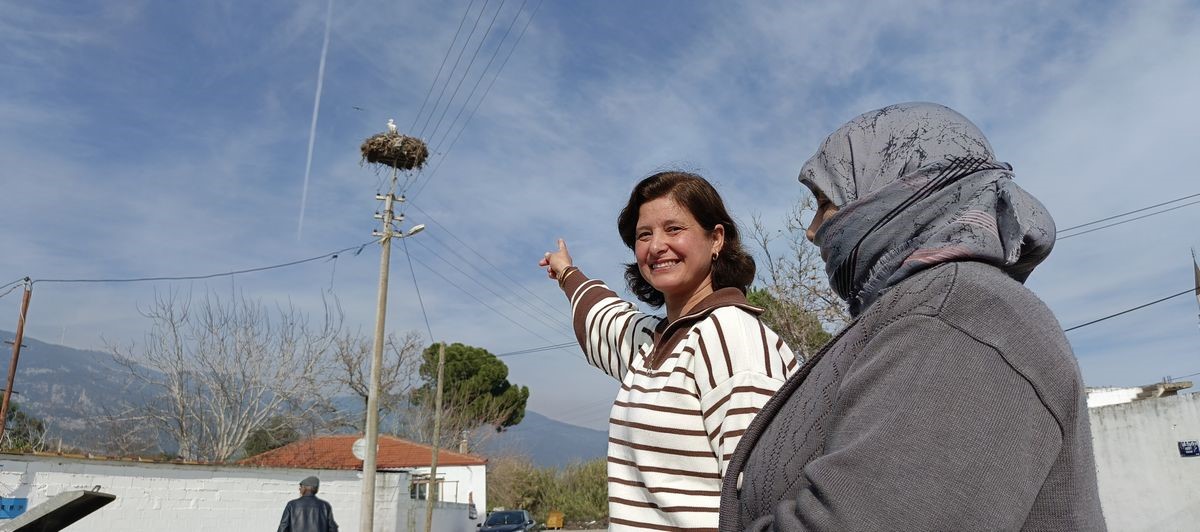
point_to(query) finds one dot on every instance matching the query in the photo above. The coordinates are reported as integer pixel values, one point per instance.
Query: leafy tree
(23, 432)
(475, 393)
(800, 329)
(278, 432)
(579, 491)
(514, 482)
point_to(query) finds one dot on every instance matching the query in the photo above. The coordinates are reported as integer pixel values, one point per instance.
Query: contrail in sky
(312, 129)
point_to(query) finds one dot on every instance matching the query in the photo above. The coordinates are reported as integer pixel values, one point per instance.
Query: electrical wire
(481, 302)
(1115, 216)
(488, 262)
(9, 291)
(495, 53)
(559, 320)
(550, 325)
(6, 285)
(443, 65)
(1126, 311)
(453, 69)
(539, 349)
(1134, 219)
(208, 276)
(417, 286)
(480, 102)
(466, 72)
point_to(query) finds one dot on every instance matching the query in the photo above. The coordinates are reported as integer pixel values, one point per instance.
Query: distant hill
(68, 387)
(548, 443)
(63, 386)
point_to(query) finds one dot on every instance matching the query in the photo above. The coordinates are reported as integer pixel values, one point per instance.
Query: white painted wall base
(152, 497)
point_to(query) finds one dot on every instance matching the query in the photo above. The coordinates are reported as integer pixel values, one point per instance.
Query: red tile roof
(333, 452)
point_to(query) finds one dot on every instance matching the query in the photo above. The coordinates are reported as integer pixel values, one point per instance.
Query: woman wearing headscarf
(952, 400)
(692, 380)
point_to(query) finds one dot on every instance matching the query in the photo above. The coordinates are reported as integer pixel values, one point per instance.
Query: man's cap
(311, 482)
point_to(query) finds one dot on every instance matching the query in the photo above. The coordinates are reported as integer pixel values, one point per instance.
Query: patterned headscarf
(917, 185)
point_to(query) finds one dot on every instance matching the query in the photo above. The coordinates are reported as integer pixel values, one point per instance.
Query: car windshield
(506, 518)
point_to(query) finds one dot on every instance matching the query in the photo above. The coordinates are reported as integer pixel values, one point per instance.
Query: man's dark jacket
(307, 514)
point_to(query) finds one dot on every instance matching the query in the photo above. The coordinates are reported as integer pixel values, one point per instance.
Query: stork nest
(395, 150)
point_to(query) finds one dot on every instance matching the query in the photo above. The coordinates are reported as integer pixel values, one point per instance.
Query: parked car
(508, 521)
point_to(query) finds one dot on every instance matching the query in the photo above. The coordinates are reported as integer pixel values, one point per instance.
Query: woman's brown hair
(733, 267)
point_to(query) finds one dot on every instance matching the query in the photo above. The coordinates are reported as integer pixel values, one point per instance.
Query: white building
(156, 496)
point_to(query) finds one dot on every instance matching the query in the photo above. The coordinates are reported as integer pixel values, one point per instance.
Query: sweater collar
(668, 335)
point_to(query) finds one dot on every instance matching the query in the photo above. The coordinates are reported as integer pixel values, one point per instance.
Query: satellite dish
(359, 448)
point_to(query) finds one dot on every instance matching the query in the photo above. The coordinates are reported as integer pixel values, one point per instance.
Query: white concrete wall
(459, 482)
(155, 497)
(1144, 483)
(1111, 396)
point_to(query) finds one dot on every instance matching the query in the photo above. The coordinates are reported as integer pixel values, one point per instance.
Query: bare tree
(123, 431)
(800, 304)
(220, 369)
(402, 358)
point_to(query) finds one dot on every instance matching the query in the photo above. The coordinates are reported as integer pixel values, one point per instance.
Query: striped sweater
(688, 391)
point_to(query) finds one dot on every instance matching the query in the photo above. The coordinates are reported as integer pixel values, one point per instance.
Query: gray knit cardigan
(952, 403)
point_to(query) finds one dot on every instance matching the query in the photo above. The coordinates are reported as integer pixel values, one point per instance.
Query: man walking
(308, 513)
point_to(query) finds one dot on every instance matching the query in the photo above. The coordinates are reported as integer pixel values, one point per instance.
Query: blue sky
(160, 138)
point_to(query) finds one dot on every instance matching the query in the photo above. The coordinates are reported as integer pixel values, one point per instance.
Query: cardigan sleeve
(932, 430)
(611, 331)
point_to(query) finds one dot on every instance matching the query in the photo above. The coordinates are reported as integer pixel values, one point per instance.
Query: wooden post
(12, 366)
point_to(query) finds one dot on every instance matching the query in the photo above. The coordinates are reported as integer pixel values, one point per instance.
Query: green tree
(580, 493)
(475, 393)
(23, 432)
(278, 431)
(798, 327)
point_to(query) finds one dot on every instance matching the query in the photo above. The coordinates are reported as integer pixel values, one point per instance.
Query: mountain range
(68, 388)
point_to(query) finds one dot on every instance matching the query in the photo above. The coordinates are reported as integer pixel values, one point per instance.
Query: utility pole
(385, 234)
(12, 366)
(437, 440)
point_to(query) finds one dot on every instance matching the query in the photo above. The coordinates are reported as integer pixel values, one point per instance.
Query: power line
(1126, 311)
(208, 276)
(480, 102)
(559, 320)
(1129, 220)
(1115, 216)
(408, 256)
(9, 291)
(466, 72)
(8, 284)
(551, 325)
(454, 68)
(484, 259)
(539, 349)
(478, 80)
(480, 301)
(433, 84)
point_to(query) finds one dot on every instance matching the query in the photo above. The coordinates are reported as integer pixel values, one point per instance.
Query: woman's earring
(715, 255)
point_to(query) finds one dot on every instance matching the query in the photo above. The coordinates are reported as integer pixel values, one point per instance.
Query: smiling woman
(690, 382)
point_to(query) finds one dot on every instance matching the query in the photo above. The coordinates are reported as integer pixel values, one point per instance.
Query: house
(152, 496)
(461, 477)
(1147, 457)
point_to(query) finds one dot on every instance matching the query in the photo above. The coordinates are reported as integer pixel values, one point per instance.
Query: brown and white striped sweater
(688, 391)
